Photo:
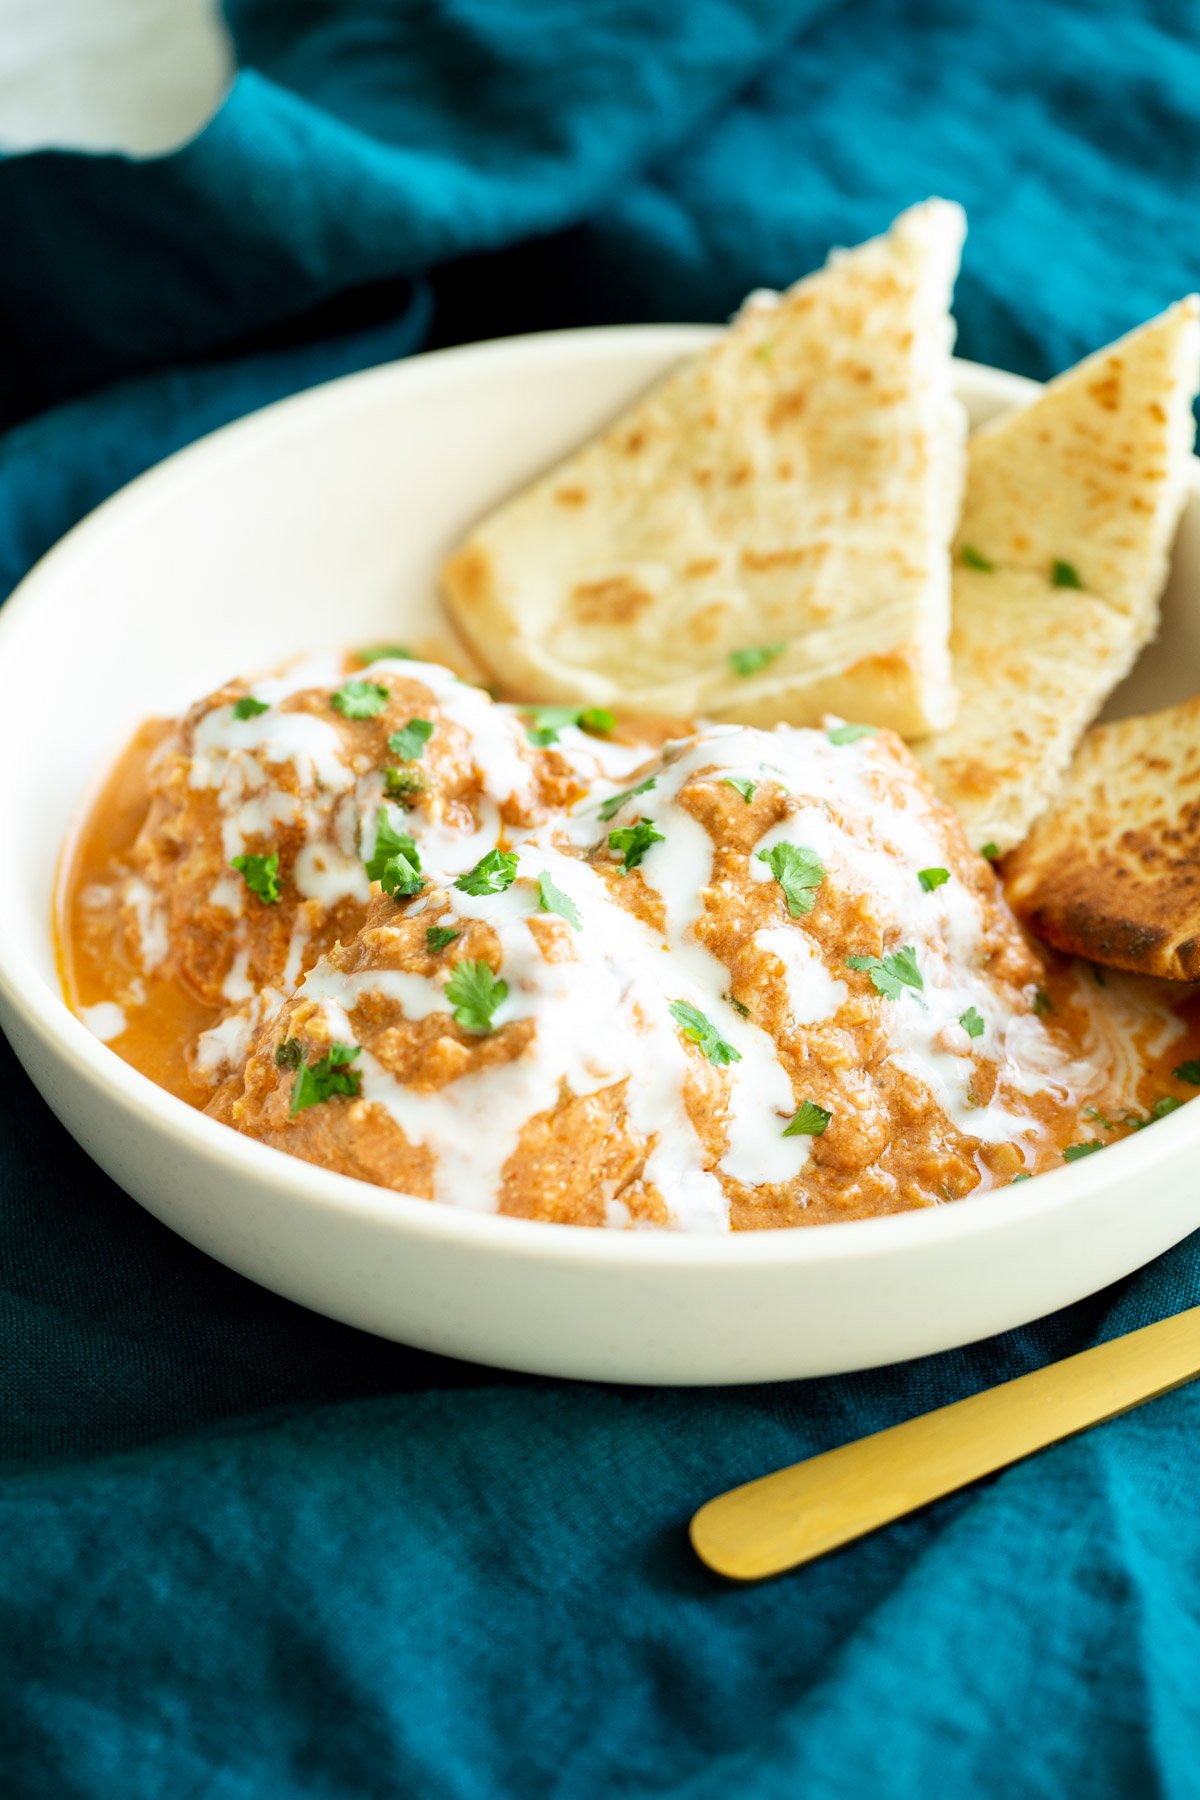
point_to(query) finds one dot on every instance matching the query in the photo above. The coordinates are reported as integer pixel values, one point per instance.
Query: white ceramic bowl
(322, 521)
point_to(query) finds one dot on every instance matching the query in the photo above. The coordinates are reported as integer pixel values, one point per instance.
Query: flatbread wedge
(1112, 870)
(1071, 504)
(765, 535)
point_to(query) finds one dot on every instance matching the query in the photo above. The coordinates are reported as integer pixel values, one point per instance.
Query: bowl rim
(920, 1233)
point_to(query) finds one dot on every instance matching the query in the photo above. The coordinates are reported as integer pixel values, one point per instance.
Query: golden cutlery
(787, 1518)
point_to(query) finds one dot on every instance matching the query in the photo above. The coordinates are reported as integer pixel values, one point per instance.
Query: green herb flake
(261, 875)
(766, 350)
(289, 1054)
(631, 842)
(1160, 1109)
(475, 994)
(248, 707)
(699, 1029)
(971, 1023)
(799, 873)
(933, 878)
(890, 975)
(1042, 1003)
(360, 699)
(320, 1081)
(403, 785)
(850, 734)
(551, 899)
(611, 807)
(1075, 1152)
(385, 653)
(1023, 1176)
(809, 1121)
(1065, 574)
(971, 558)
(438, 936)
(754, 657)
(1189, 1072)
(991, 850)
(396, 862)
(409, 742)
(548, 721)
(493, 873)
(740, 785)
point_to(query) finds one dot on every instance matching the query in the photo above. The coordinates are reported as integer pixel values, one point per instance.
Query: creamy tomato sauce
(731, 980)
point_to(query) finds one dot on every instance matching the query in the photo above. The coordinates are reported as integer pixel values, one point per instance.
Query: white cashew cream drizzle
(603, 1016)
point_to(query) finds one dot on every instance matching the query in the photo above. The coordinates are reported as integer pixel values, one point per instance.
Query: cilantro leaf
(249, 708)
(409, 742)
(1160, 1109)
(809, 1121)
(799, 873)
(396, 861)
(360, 699)
(1065, 574)
(438, 936)
(890, 974)
(632, 842)
(553, 900)
(261, 875)
(990, 850)
(1074, 1152)
(289, 1054)
(699, 1029)
(320, 1081)
(932, 878)
(850, 734)
(1188, 1071)
(972, 1023)
(385, 653)
(475, 994)
(403, 785)
(611, 807)
(975, 559)
(1042, 1003)
(494, 872)
(754, 658)
(548, 721)
(740, 785)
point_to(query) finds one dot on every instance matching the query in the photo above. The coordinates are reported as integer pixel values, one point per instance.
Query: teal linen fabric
(248, 1552)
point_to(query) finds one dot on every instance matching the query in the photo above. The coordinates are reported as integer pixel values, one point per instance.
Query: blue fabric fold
(246, 1551)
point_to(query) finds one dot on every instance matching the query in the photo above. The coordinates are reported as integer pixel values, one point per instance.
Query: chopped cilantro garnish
(385, 653)
(932, 878)
(491, 874)
(631, 842)
(850, 734)
(799, 873)
(261, 875)
(475, 994)
(809, 1121)
(698, 1029)
(975, 559)
(1168, 1104)
(548, 721)
(971, 1023)
(740, 785)
(991, 850)
(332, 1075)
(1024, 1175)
(1042, 1003)
(754, 658)
(1074, 1152)
(403, 785)
(248, 707)
(289, 1054)
(1188, 1071)
(1065, 574)
(396, 862)
(438, 936)
(890, 974)
(553, 900)
(611, 807)
(739, 1006)
(360, 699)
(409, 742)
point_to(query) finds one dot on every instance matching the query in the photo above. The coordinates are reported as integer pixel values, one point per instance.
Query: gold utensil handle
(787, 1518)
